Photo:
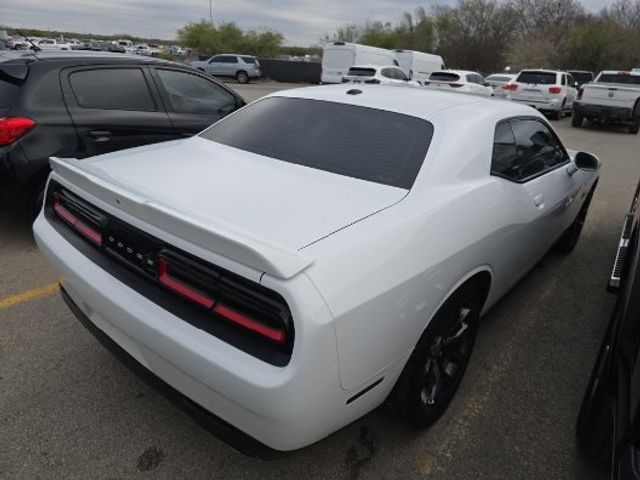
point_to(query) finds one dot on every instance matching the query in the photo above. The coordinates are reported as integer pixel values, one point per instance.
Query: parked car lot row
(266, 318)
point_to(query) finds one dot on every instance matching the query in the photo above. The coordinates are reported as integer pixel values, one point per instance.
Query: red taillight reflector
(180, 288)
(510, 86)
(75, 222)
(12, 128)
(555, 90)
(238, 318)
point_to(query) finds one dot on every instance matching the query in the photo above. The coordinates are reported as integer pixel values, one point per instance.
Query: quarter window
(190, 93)
(112, 89)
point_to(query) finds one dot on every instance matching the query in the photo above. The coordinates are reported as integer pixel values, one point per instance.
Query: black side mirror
(587, 162)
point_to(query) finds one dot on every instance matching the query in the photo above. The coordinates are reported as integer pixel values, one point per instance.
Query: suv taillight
(12, 128)
(510, 86)
(555, 90)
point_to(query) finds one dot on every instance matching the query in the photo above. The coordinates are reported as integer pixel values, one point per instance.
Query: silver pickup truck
(610, 98)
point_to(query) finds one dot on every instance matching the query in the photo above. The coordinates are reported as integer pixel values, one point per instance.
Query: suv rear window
(619, 78)
(539, 78)
(248, 60)
(444, 77)
(359, 142)
(362, 72)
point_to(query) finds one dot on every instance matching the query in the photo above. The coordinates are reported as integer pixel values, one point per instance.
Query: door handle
(538, 201)
(100, 135)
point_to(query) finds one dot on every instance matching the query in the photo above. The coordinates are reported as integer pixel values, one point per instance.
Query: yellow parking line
(28, 295)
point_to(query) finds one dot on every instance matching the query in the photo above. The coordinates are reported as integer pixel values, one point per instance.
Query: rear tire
(242, 77)
(576, 120)
(434, 371)
(634, 127)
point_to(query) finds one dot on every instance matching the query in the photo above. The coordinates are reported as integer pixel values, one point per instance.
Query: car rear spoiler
(259, 253)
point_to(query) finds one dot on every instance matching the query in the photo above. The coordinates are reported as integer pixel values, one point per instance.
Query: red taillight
(180, 288)
(12, 128)
(455, 85)
(238, 318)
(555, 90)
(73, 221)
(512, 87)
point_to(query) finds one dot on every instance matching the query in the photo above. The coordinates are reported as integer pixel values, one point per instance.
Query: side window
(504, 161)
(400, 75)
(190, 93)
(537, 147)
(229, 59)
(103, 88)
(471, 79)
(570, 80)
(388, 73)
(217, 59)
(564, 79)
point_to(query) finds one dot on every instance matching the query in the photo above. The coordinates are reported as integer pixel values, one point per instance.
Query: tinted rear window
(248, 59)
(582, 77)
(619, 78)
(359, 142)
(498, 79)
(8, 93)
(112, 88)
(362, 72)
(444, 77)
(539, 78)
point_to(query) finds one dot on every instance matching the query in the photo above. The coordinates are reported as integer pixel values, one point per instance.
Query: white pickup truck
(611, 97)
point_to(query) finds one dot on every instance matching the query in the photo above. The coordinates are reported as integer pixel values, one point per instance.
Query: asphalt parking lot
(68, 409)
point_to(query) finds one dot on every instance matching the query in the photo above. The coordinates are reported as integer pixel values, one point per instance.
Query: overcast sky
(302, 22)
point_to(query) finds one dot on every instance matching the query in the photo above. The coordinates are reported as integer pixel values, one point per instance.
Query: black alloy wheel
(436, 367)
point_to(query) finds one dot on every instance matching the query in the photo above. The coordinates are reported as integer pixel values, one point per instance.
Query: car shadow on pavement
(15, 226)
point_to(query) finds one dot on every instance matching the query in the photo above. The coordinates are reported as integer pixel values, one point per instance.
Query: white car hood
(288, 205)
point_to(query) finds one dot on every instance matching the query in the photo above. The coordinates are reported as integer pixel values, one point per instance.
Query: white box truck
(338, 57)
(419, 65)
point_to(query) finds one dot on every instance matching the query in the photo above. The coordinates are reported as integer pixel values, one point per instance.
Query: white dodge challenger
(314, 255)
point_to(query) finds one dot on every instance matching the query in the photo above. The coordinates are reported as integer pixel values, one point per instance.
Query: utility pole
(210, 12)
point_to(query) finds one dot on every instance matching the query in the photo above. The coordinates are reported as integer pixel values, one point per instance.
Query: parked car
(418, 65)
(142, 49)
(499, 80)
(581, 77)
(549, 91)
(50, 44)
(241, 67)
(461, 81)
(339, 57)
(81, 104)
(314, 254)
(610, 98)
(374, 74)
(608, 425)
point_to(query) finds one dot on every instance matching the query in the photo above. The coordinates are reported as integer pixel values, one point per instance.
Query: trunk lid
(212, 184)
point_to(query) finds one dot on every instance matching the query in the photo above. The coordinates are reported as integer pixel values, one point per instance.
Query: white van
(338, 57)
(419, 65)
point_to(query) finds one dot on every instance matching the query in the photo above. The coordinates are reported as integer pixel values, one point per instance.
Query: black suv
(79, 104)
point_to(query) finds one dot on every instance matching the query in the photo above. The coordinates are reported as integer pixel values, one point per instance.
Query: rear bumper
(552, 105)
(602, 111)
(246, 401)
(221, 429)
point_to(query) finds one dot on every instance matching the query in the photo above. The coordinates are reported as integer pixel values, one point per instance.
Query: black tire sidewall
(413, 408)
(242, 77)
